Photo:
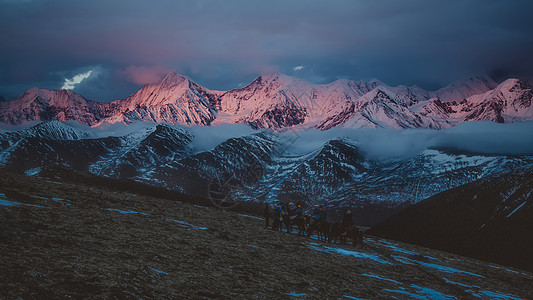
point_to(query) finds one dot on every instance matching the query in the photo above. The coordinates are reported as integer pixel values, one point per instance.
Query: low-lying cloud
(376, 144)
(393, 144)
(206, 138)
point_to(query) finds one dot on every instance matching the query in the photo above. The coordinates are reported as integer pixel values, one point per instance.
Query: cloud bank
(392, 144)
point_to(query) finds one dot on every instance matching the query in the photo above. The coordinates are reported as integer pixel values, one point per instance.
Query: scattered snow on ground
(456, 283)
(296, 294)
(253, 217)
(341, 251)
(54, 182)
(429, 257)
(256, 247)
(382, 278)
(404, 260)
(351, 297)
(441, 268)
(492, 295)
(61, 200)
(508, 270)
(5, 202)
(422, 293)
(187, 225)
(126, 211)
(32, 172)
(394, 247)
(516, 209)
(476, 291)
(446, 269)
(431, 293)
(159, 271)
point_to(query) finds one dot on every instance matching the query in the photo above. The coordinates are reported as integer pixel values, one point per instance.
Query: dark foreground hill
(490, 219)
(88, 239)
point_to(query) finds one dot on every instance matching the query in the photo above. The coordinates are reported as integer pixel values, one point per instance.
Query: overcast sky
(106, 50)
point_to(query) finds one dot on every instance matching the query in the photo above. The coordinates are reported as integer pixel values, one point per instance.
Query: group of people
(291, 214)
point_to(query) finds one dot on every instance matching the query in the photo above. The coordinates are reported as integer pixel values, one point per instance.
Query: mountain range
(257, 167)
(281, 102)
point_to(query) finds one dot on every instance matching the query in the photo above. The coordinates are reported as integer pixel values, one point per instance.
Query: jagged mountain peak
(465, 88)
(275, 80)
(173, 79)
(52, 96)
(513, 83)
(277, 76)
(377, 82)
(509, 90)
(37, 104)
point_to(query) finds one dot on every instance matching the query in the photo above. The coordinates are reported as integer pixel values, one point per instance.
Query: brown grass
(77, 248)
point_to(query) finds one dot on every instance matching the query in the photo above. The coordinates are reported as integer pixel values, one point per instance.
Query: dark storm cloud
(222, 44)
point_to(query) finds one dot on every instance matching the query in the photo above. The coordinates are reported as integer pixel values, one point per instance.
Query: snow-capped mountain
(460, 90)
(175, 100)
(44, 105)
(509, 102)
(278, 101)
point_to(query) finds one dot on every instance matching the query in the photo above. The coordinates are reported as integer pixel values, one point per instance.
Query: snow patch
(61, 200)
(381, 278)
(403, 292)
(5, 202)
(252, 217)
(422, 293)
(33, 172)
(441, 268)
(296, 294)
(395, 248)
(431, 293)
(516, 209)
(159, 271)
(509, 270)
(480, 293)
(187, 225)
(493, 295)
(345, 252)
(126, 211)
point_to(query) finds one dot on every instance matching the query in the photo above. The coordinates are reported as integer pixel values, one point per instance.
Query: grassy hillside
(94, 238)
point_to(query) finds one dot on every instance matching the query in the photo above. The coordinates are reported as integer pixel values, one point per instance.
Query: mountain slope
(488, 219)
(84, 237)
